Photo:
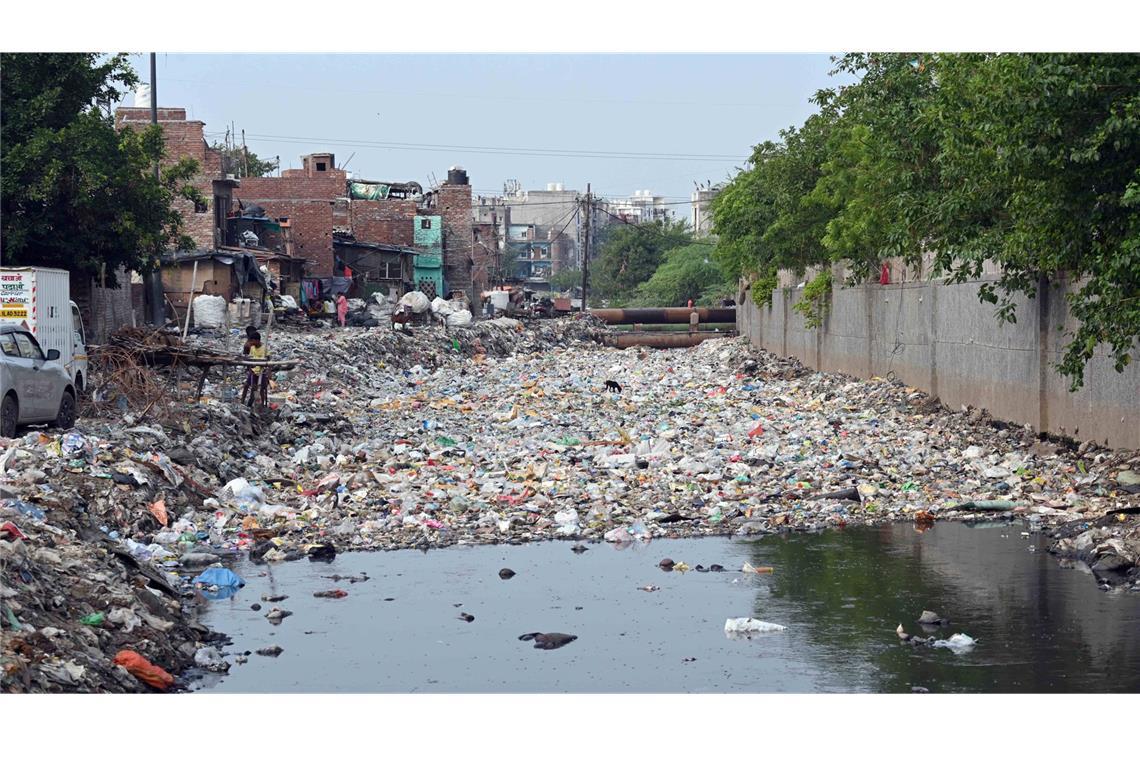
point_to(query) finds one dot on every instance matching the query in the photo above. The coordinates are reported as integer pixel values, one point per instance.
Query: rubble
(497, 432)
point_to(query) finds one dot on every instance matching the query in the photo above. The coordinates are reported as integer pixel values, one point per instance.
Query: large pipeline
(660, 339)
(679, 316)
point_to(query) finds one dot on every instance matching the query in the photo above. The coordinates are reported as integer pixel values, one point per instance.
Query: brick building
(206, 223)
(312, 198)
(316, 201)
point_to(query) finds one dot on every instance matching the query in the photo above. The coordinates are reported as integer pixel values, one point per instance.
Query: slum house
(270, 240)
(436, 223)
(375, 267)
(232, 273)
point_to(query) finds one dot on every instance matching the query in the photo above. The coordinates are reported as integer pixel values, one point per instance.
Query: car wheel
(9, 413)
(66, 416)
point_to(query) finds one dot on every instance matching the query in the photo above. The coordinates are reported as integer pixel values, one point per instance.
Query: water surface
(1040, 627)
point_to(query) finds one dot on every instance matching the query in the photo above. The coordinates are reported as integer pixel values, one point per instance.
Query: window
(425, 224)
(8, 345)
(321, 166)
(29, 349)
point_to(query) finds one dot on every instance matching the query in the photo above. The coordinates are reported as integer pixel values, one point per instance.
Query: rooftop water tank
(456, 175)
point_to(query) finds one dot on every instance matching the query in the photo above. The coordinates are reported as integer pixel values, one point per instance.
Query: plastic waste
(567, 521)
(94, 619)
(124, 618)
(959, 643)
(751, 625)
(219, 576)
(143, 669)
(210, 659)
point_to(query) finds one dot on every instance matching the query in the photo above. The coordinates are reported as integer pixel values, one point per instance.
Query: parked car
(34, 387)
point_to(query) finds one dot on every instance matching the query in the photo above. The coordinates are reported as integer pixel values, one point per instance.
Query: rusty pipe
(661, 339)
(679, 316)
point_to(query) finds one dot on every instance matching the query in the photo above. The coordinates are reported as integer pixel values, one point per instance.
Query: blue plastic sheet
(220, 577)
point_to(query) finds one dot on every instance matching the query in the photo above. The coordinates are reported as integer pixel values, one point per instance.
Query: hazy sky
(561, 106)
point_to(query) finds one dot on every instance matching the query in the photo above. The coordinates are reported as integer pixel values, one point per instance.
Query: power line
(512, 151)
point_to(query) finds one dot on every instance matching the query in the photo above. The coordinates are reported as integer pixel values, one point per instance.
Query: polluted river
(708, 519)
(1036, 626)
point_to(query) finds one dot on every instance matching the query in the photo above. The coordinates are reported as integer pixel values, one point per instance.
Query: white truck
(38, 299)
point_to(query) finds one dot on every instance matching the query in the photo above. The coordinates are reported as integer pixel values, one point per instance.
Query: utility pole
(154, 105)
(152, 281)
(588, 208)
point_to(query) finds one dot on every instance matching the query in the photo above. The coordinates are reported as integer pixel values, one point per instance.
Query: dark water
(1039, 627)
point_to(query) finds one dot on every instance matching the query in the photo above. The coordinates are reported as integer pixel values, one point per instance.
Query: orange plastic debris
(158, 509)
(143, 669)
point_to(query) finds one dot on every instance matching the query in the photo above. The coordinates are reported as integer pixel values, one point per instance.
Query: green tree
(1027, 161)
(566, 279)
(242, 162)
(631, 254)
(76, 194)
(688, 272)
(1040, 168)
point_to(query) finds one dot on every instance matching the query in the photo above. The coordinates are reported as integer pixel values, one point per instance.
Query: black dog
(613, 385)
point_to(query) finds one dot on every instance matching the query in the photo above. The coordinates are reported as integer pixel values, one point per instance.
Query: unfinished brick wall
(388, 221)
(309, 201)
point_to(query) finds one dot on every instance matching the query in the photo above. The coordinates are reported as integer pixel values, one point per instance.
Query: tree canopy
(1030, 161)
(630, 254)
(687, 272)
(77, 194)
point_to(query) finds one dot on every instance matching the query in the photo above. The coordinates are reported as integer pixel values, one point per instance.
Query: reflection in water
(840, 596)
(1040, 628)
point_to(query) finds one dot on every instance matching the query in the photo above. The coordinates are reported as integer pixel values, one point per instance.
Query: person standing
(341, 308)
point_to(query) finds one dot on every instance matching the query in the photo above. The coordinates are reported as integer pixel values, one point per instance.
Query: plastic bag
(219, 576)
(567, 521)
(459, 318)
(751, 625)
(417, 301)
(143, 669)
(959, 643)
(209, 311)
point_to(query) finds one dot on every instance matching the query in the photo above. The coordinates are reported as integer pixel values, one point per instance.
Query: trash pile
(493, 432)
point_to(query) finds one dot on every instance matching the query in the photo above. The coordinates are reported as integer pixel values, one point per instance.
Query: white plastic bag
(959, 643)
(459, 318)
(567, 521)
(750, 625)
(415, 300)
(209, 311)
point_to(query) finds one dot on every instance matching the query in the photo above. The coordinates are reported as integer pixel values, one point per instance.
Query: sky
(620, 122)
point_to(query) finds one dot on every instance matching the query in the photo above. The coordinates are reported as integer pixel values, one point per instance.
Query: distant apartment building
(701, 218)
(641, 207)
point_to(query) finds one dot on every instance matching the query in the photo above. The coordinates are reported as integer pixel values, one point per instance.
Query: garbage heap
(497, 432)
(104, 528)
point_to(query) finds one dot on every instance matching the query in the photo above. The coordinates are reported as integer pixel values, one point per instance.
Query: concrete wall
(941, 339)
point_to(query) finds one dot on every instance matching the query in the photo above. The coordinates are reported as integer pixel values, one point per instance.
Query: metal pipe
(661, 340)
(678, 316)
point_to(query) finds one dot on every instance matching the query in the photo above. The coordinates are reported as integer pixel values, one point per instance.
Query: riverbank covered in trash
(495, 433)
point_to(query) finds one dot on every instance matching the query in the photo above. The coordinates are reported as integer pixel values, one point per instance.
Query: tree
(76, 194)
(1027, 161)
(242, 162)
(688, 272)
(631, 254)
(1040, 162)
(566, 279)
